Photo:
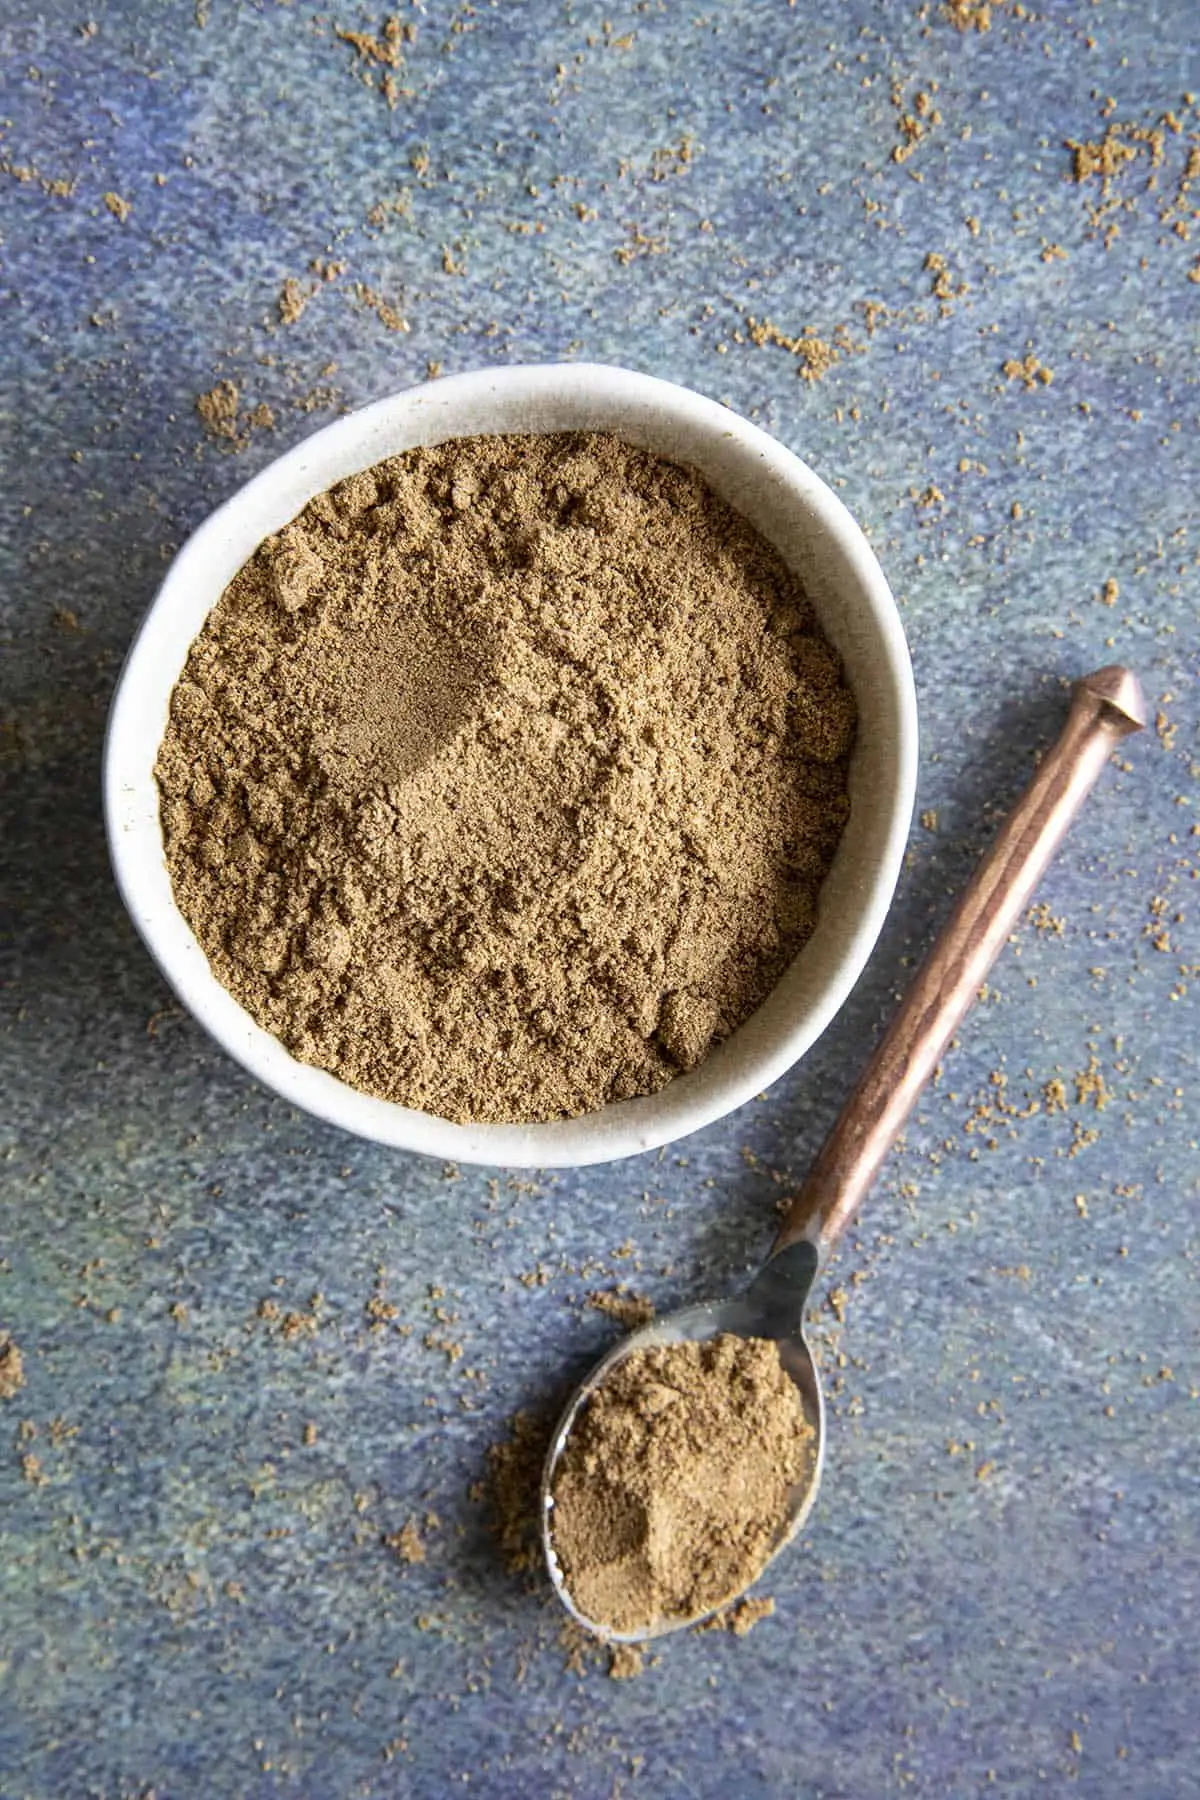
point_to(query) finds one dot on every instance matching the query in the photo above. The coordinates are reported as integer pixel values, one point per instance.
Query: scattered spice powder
(1028, 370)
(293, 298)
(627, 1308)
(944, 288)
(59, 186)
(741, 1618)
(1091, 1085)
(406, 1544)
(625, 1661)
(1054, 1095)
(816, 355)
(917, 124)
(969, 15)
(383, 49)
(384, 312)
(12, 1368)
(514, 1473)
(502, 782)
(219, 412)
(675, 1479)
(673, 159)
(1103, 158)
(640, 244)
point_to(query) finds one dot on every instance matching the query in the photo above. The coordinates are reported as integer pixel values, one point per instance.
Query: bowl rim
(357, 440)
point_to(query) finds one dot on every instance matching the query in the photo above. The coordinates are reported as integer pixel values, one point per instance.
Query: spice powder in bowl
(501, 783)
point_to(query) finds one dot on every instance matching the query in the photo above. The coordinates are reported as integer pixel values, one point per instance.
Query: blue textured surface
(998, 1591)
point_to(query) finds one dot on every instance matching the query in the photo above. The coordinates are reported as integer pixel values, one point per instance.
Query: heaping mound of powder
(675, 1478)
(501, 782)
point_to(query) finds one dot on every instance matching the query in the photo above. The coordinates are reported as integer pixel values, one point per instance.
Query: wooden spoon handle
(1105, 707)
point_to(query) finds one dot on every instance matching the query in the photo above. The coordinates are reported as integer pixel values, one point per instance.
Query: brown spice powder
(406, 1544)
(12, 1368)
(740, 1618)
(674, 1480)
(514, 1474)
(620, 1303)
(502, 781)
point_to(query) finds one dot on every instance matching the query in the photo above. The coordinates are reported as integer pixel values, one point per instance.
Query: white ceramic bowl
(785, 500)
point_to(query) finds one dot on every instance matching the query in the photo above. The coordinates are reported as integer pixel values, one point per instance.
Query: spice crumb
(406, 1544)
(385, 313)
(741, 1618)
(816, 355)
(219, 408)
(627, 1308)
(12, 1368)
(1028, 370)
(293, 299)
(969, 15)
(384, 49)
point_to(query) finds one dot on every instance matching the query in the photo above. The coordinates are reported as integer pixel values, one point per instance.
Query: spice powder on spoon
(502, 781)
(675, 1480)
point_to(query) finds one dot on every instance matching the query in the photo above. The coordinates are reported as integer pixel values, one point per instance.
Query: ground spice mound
(674, 1480)
(501, 782)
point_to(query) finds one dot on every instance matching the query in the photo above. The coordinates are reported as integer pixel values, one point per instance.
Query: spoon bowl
(772, 1307)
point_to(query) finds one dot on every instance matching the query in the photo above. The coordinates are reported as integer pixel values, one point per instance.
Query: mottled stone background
(998, 1592)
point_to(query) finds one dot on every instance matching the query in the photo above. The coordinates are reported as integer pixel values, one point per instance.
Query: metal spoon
(1105, 708)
